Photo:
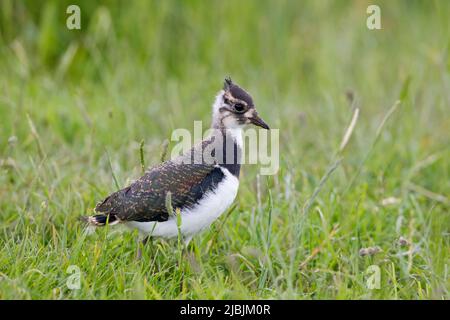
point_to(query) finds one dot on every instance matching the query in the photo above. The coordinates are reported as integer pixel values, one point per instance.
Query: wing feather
(145, 199)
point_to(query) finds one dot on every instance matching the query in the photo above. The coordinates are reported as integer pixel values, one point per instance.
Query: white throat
(236, 134)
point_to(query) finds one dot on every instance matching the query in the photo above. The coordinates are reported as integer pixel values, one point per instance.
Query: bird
(200, 184)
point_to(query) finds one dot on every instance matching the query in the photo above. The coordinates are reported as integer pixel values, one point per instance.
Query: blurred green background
(75, 105)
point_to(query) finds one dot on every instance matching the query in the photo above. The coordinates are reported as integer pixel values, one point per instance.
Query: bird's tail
(100, 220)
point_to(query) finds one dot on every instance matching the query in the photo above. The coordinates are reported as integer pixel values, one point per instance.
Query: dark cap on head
(237, 92)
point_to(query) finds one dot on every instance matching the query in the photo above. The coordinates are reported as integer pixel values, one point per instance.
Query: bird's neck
(229, 135)
(228, 141)
(228, 149)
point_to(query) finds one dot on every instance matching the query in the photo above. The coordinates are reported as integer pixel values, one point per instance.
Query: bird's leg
(141, 244)
(187, 239)
(185, 249)
(185, 256)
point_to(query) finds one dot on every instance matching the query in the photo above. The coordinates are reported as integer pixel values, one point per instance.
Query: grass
(75, 107)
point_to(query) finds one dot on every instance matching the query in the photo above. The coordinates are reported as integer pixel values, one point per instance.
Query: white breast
(194, 220)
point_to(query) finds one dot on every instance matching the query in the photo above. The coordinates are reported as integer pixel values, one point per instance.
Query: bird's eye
(239, 107)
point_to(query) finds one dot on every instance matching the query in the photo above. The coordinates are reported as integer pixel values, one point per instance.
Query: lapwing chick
(200, 184)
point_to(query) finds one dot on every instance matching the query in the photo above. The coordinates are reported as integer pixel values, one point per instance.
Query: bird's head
(234, 108)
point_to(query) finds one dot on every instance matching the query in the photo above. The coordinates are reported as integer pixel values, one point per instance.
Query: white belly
(194, 220)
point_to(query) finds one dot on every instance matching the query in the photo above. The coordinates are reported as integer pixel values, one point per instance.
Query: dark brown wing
(145, 199)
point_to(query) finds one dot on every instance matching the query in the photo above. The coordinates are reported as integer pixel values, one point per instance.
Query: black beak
(257, 121)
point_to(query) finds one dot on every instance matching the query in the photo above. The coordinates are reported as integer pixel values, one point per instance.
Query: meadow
(363, 188)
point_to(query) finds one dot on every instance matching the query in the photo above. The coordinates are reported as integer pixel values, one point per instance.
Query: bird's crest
(227, 83)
